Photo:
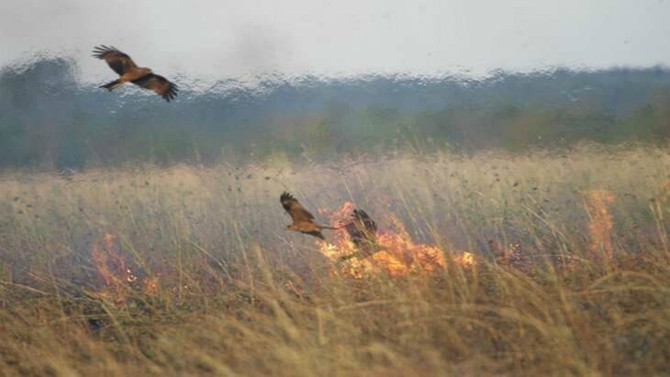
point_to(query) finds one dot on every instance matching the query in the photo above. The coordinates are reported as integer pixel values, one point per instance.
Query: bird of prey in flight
(128, 71)
(362, 231)
(303, 220)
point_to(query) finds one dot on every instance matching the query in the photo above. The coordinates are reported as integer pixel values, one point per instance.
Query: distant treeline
(48, 120)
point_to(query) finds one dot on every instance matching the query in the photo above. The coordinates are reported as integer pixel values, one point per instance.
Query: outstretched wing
(117, 60)
(158, 84)
(361, 228)
(294, 208)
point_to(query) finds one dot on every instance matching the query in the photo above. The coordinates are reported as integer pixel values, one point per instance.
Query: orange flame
(465, 259)
(111, 268)
(397, 254)
(600, 220)
(114, 275)
(150, 286)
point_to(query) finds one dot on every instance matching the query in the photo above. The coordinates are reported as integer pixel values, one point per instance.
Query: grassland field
(190, 270)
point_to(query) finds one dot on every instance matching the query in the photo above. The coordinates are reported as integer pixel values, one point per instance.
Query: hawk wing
(117, 60)
(294, 208)
(158, 84)
(361, 228)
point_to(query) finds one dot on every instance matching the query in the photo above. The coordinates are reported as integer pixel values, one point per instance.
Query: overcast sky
(220, 38)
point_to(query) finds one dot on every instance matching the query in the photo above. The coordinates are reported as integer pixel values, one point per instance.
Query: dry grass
(190, 271)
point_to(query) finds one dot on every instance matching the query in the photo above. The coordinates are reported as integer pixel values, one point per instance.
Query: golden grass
(190, 271)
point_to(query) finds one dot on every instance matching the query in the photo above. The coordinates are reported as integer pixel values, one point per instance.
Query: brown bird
(361, 228)
(125, 67)
(303, 220)
(362, 231)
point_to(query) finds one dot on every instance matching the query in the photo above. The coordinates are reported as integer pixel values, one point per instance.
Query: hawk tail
(112, 85)
(316, 234)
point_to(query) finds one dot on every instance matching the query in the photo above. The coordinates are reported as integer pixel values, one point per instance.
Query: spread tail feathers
(316, 233)
(112, 85)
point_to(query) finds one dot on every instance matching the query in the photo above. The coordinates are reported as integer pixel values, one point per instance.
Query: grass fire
(436, 263)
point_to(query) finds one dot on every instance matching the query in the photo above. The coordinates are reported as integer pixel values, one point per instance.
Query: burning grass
(394, 253)
(190, 271)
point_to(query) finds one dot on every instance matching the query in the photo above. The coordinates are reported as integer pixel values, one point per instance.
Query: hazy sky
(221, 38)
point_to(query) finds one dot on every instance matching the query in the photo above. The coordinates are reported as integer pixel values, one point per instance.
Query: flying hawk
(125, 67)
(362, 231)
(303, 220)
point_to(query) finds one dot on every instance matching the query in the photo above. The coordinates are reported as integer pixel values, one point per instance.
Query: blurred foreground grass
(190, 271)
